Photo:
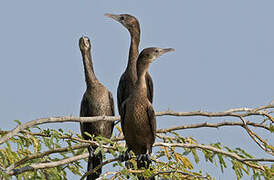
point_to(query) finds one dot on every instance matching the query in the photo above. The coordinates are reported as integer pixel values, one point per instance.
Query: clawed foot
(91, 151)
(124, 157)
(143, 160)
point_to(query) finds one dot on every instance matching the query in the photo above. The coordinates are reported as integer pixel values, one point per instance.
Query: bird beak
(113, 16)
(163, 51)
(84, 41)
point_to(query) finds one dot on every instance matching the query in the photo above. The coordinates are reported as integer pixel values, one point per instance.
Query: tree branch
(253, 135)
(32, 167)
(231, 112)
(98, 167)
(55, 120)
(210, 148)
(206, 124)
(181, 172)
(38, 155)
(47, 165)
(85, 143)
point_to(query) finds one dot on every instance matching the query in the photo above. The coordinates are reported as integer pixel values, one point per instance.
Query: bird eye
(157, 51)
(122, 18)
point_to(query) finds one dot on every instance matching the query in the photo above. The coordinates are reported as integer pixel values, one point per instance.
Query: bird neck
(90, 77)
(133, 50)
(141, 81)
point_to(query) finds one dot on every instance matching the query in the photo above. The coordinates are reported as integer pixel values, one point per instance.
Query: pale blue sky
(223, 59)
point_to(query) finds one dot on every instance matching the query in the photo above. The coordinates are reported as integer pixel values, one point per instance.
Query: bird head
(148, 55)
(84, 43)
(127, 20)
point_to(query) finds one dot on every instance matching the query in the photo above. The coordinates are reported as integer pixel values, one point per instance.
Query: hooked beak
(166, 50)
(113, 16)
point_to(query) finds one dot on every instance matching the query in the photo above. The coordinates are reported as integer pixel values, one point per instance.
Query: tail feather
(93, 162)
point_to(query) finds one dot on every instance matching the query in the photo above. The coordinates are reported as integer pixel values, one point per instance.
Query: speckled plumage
(138, 118)
(96, 101)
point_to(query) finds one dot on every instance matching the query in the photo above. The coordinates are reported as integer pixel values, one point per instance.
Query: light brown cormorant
(129, 77)
(138, 117)
(96, 101)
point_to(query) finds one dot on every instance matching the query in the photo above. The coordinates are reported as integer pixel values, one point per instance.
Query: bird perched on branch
(137, 114)
(96, 101)
(129, 77)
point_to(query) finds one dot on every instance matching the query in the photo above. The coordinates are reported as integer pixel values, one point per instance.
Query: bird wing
(149, 83)
(120, 93)
(111, 103)
(122, 115)
(84, 107)
(152, 120)
(84, 113)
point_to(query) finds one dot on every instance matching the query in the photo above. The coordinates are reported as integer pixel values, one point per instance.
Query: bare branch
(55, 120)
(206, 124)
(259, 159)
(254, 136)
(48, 165)
(217, 114)
(231, 112)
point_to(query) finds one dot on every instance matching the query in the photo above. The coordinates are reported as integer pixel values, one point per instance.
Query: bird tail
(93, 162)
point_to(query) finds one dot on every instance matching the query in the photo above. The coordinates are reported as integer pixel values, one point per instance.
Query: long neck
(141, 75)
(90, 77)
(133, 50)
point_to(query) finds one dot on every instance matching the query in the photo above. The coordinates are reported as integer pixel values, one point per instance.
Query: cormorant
(96, 101)
(138, 117)
(129, 77)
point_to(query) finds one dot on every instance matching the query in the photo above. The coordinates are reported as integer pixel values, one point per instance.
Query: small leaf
(119, 129)
(184, 161)
(166, 152)
(271, 128)
(35, 144)
(89, 135)
(18, 122)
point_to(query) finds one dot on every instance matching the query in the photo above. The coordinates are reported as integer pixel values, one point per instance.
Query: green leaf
(196, 157)
(271, 128)
(222, 162)
(89, 135)
(17, 122)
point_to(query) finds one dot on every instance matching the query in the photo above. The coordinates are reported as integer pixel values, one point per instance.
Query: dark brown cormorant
(97, 101)
(129, 77)
(138, 117)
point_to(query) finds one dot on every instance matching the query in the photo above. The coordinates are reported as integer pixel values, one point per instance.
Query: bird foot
(124, 157)
(91, 151)
(143, 160)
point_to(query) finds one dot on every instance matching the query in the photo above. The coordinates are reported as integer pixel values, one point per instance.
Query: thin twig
(85, 155)
(253, 137)
(48, 164)
(46, 153)
(210, 148)
(85, 144)
(260, 159)
(55, 120)
(99, 166)
(181, 172)
(103, 176)
(211, 125)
